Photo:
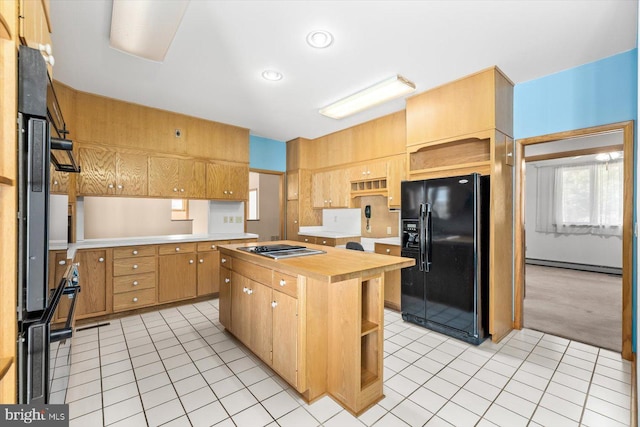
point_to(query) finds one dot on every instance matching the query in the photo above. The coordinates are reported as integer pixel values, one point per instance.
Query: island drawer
(124, 266)
(253, 271)
(307, 239)
(285, 283)
(386, 249)
(134, 299)
(225, 261)
(134, 251)
(210, 246)
(134, 282)
(175, 248)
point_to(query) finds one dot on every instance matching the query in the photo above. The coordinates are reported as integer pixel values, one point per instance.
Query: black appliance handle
(56, 335)
(427, 233)
(424, 207)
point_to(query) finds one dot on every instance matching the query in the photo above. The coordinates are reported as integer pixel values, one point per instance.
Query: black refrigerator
(445, 228)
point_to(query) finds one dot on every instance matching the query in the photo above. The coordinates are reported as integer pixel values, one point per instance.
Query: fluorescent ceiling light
(145, 28)
(384, 91)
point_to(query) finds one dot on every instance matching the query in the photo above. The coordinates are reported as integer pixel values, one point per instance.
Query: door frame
(281, 201)
(627, 222)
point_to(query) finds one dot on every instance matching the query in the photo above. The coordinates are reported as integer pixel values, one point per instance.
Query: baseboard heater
(576, 266)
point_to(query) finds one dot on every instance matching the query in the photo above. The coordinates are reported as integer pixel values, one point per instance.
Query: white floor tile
(516, 404)
(503, 417)
(118, 394)
(371, 415)
(253, 375)
(390, 420)
(594, 419)
(265, 388)
(184, 371)
(255, 416)
(116, 368)
(442, 387)
(158, 396)
(118, 380)
(603, 407)
(428, 399)
(153, 382)
(567, 393)
(457, 415)
(297, 418)
(164, 413)
(84, 390)
(183, 421)
(438, 422)
(525, 391)
(207, 415)
(84, 406)
(136, 420)
(279, 404)
(216, 374)
(402, 385)
(343, 419)
(197, 399)
(476, 404)
(238, 401)
(91, 419)
(145, 359)
(415, 374)
(411, 413)
(151, 369)
(546, 417)
(122, 410)
(227, 386)
(209, 362)
(324, 408)
(176, 361)
(453, 376)
(189, 384)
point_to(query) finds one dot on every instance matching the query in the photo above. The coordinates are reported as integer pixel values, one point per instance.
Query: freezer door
(412, 289)
(413, 194)
(450, 290)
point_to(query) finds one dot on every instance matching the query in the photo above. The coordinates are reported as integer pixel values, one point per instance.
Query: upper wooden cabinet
(330, 189)
(396, 173)
(176, 178)
(476, 103)
(58, 181)
(215, 140)
(375, 170)
(106, 172)
(292, 186)
(35, 25)
(227, 181)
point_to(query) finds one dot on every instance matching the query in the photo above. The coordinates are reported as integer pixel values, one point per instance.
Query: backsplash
(341, 220)
(383, 222)
(226, 217)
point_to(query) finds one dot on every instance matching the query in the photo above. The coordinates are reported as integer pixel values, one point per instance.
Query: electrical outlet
(388, 230)
(368, 228)
(238, 219)
(225, 219)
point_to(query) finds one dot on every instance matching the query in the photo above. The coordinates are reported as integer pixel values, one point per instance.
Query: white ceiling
(213, 68)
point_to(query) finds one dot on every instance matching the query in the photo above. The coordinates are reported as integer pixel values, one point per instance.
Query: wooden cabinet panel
(292, 185)
(210, 246)
(318, 196)
(396, 173)
(176, 277)
(174, 248)
(164, 177)
(240, 307)
(125, 266)
(256, 273)
(208, 272)
(34, 24)
(293, 223)
(339, 188)
(92, 272)
(131, 172)
(308, 239)
(193, 178)
(364, 172)
(238, 182)
(392, 279)
(98, 175)
(261, 313)
(227, 181)
(285, 337)
(216, 180)
(58, 182)
(225, 298)
(285, 283)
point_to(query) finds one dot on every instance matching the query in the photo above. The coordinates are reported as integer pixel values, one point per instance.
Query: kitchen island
(316, 320)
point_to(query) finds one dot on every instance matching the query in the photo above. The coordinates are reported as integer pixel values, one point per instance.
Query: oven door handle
(56, 335)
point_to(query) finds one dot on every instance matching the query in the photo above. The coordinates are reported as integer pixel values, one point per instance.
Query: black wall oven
(37, 304)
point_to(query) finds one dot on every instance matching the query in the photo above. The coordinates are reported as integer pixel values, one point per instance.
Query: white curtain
(580, 199)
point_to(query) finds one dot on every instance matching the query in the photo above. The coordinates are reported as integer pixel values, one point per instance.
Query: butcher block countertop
(333, 266)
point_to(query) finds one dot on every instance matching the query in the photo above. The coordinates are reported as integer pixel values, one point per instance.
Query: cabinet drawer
(176, 248)
(285, 283)
(325, 241)
(210, 246)
(126, 266)
(134, 282)
(225, 261)
(253, 272)
(307, 239)
(134, 251)
(134, 299)
(385, 249)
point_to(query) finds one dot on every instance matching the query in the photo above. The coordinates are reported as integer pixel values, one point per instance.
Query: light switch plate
(388, 230)
(238, 219)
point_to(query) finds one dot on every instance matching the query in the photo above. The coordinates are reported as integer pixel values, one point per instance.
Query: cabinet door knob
(388, 251)
(274, 304)
(306, 240)
(55, 182)
(135, 299)
(178, 249)
(227, 280)
(175, 190)
(230, 192)
(201, 261)
(390, 197)
(190, 261)
(295, 221)
(63, 262)
(213, 246)
(135, 266)
(135, 252)
(364, 173)
(135, 283)
(283, 282)
(119, 186)
(245, 289)
(182, 190)
(226, 192)
(249, 291)
(110, 185)
(223, 260)
(100, 259)
(324, 242)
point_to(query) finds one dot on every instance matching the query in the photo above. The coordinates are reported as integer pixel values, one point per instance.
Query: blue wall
(267, 154)
(598, 93)
(593, 94)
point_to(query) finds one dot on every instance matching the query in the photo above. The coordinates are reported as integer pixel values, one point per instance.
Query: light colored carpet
(578, 305)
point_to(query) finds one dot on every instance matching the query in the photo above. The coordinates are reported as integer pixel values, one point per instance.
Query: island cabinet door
(241, 307)
(260, 333)
(224, 299)
(285, 337)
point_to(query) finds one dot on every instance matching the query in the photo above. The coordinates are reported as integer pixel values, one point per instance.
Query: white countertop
(146, 240)
(368, 243)
(329, 234)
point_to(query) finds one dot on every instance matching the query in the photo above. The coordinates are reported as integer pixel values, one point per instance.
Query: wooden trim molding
(573, 153)
(627, 227)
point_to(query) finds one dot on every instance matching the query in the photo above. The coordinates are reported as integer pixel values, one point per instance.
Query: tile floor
(176, 367)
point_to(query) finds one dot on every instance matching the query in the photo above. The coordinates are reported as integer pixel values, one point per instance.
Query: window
(581, 199)
(179, 209)
(254, 210)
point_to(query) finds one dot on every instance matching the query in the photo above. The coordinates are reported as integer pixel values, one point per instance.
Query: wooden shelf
(6, 181)
(5, 364)
(368, 327)
(366, 378)
(483, 168)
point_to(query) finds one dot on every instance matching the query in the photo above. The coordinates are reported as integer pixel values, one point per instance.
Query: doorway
(265, 207)
(626, 129)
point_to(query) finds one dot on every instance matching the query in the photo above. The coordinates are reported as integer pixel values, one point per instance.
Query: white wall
(581, 249)
(341, 221)
(58, 214)
(226, 217)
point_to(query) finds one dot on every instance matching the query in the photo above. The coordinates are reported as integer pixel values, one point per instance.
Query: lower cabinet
(285, 337)
(176, 277)
(93, 298)
(134, 277)
(224, 299)
(392, 279)
(208, 267)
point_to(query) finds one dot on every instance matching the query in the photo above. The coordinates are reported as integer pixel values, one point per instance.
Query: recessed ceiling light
(319, 39)
(271, 75)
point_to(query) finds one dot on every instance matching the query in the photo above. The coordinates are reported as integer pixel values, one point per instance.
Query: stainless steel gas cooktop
(281, 251)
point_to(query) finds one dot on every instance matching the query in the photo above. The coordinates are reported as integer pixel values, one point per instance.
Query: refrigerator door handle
(422, 236)
(427, 239)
